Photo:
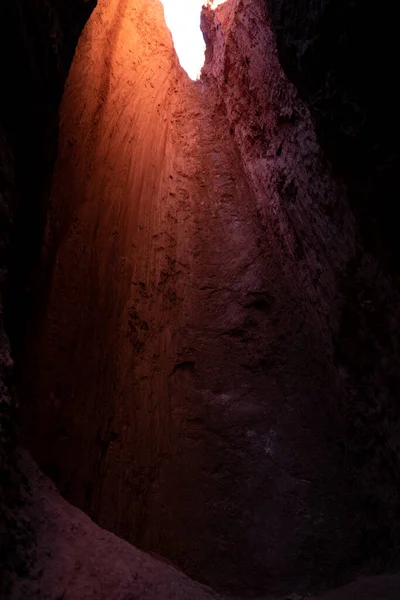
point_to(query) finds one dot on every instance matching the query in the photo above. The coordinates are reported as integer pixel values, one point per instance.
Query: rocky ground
(74, 559)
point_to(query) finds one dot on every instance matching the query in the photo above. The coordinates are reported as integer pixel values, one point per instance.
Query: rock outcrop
(37, 42)
(350, 294)
(342, 56)
(184, 383)
(206, 340)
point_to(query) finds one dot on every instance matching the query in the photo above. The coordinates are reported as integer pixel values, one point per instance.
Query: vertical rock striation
(184, 382)
(210, 364)
(350, 293)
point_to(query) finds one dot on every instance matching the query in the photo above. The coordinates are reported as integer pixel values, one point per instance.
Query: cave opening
(183, 20)
(198, 355)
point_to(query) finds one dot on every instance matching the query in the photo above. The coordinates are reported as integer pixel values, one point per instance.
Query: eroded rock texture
(37, 41)
(210, 363)
(351, 296)
(183, 382)
(342, 56)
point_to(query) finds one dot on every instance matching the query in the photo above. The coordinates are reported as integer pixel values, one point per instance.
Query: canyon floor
(74, 559)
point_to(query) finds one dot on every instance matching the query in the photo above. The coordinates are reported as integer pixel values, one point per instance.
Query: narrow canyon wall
(37, 41)
(210, 368)
(180, 379)
(351, 87)
(343, 59)
(348, 288)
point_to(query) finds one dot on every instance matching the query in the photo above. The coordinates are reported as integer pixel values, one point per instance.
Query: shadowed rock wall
(342, 56)
(350, 295)
(37, 41)
(185, 381)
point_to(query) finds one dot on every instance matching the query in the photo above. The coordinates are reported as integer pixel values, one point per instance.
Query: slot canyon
(199, 345)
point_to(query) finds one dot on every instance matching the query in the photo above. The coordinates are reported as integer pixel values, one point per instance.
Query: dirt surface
(178, 382)
(74, 559)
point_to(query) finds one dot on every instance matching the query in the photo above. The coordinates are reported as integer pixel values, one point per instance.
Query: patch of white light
(215, 3)
(183, 20)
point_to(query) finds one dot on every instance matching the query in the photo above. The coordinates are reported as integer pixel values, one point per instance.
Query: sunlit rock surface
(210, 366)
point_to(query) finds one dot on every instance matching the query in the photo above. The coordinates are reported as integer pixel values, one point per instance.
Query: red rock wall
(181, 383)
(349, 295)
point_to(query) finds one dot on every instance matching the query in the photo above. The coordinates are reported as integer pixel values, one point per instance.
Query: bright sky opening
(183, 20)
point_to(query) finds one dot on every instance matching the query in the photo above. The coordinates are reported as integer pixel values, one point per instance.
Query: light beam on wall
(183, 20)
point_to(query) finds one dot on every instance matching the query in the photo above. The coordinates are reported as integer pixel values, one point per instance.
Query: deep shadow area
(351, 86)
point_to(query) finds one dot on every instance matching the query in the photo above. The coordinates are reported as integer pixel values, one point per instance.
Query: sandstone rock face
(351, 87)
(210, 367)
(37, 41)
(183, 382)
(350, 294)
